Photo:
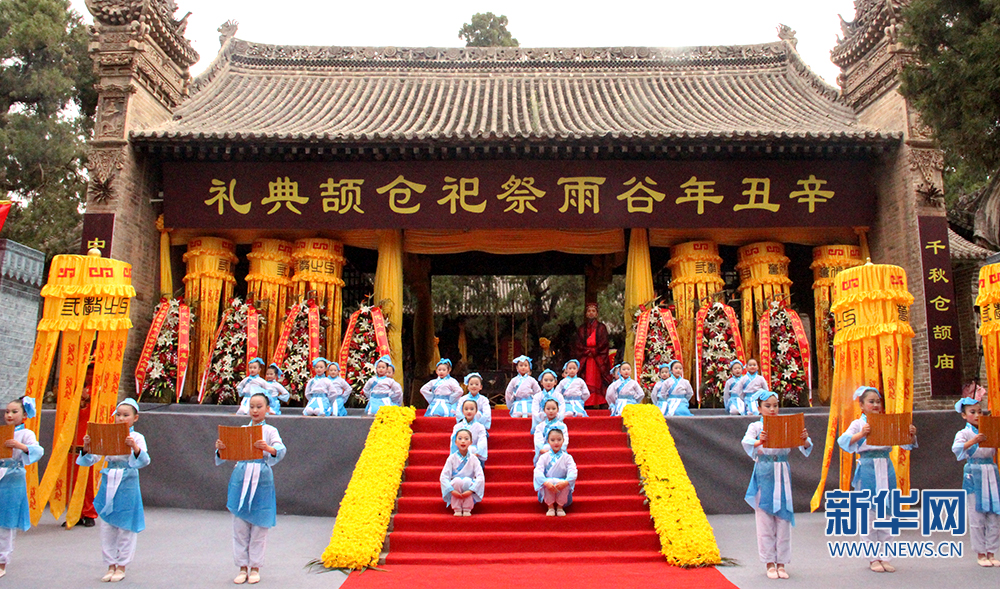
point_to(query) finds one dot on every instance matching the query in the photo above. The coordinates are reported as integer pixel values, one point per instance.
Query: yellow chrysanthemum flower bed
(686, 538)
(364, 513)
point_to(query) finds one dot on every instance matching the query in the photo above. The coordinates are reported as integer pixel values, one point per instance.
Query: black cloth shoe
(87, 522)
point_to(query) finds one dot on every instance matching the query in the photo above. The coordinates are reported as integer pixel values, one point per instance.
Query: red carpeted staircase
(608, 521)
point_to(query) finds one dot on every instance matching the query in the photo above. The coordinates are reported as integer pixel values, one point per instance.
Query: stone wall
(21, 278)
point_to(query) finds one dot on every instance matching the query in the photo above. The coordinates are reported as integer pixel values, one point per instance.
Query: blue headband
(761, 396)
(29, 406)
(320, 359)
(329, 364)
(672, 362)
(470, 375)
(734, 363)
(860, 391)
(276, 369)
(258, 361)
(454, 436)
(574, 361)
(444, 361)
(964, 402)
(548, 371)
(131, 403)
(523, 358)
(614, 369)
(387, 360)
(662, 366)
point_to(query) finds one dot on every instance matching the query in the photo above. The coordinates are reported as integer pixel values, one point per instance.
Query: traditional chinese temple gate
(448, 152)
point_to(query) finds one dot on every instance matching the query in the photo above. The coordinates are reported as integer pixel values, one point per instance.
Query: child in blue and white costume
(521, 389)
(319, 389)
(251, 496)
(252, 383)
(751, 386)
(479, 436)
(552, 420)
(574, 390)
(770, 489)
(474, 382)
(14, 512)
(732, 393)
(276, 392)
(981, 482)
(462, 479)
(555, 475)
(119, 500)
(874, 471)
(626, 390)
(381, 389)
(672, 394)
(338, 390)
(442, 393)
(547, 380)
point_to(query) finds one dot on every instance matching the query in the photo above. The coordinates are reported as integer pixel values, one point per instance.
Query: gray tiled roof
(963, 249)
(397, 96)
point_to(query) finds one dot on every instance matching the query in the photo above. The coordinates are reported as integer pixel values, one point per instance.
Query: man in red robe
(591, 349)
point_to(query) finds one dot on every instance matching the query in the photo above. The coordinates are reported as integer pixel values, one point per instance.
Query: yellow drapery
(435, 357)
(463, 344)
(270, 279)
(828, 261)
(514, 241)
(694, 278)
(319, 266)
(638, 284)
(872, 347)
(166, 271)
(389, 291)
(208, 283)
(988, 301)
(84, 296)
(763, 269)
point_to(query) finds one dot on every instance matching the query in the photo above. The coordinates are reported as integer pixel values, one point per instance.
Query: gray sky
(535, 23)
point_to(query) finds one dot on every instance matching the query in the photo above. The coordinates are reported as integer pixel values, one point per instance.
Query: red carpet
(607, 536)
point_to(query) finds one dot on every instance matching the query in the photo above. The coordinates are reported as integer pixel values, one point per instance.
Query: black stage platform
(322, 451)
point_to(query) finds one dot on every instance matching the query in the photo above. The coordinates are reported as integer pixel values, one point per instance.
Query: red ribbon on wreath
(142, 368)
(183, 345)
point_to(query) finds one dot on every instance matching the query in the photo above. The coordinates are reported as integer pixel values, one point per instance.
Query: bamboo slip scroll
(6, 433)
(889, 429)
(989, 426)
(784, 431)
(239, 441)
(108, 439)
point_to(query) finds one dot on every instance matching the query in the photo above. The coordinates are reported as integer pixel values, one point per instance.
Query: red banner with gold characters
(313, 315)
(253, 327)
(183, 345)
(346, 346)
(641, 333)
(280, 349)
(765, 347)
(147, 348)
(803, 341)
(668, 322)
(381, 336)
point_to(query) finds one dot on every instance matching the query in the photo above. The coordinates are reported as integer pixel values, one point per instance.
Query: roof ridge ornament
(227, 30)
(785, 33)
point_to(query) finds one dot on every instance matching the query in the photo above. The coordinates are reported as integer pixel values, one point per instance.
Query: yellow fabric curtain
(872, 347)
(988, 301)
(763, 269)
(638, 283)
(84, 296)
(319, 266)
(270, 279)
(514, 241)
(389, 291)
(828, 261)
(209, 282)
(694, 279)
(166, 272)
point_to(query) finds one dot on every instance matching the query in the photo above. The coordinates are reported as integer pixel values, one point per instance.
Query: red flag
(4, 209)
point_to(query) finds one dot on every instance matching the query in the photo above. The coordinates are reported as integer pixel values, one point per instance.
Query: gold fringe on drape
(638, 284)
(828, 261)
(208, 283)
(319, 266)
(694, 279)
(763, 269)
(166, 271)
(389, 291)
(988, 301)
(270, 279)
(872, 347)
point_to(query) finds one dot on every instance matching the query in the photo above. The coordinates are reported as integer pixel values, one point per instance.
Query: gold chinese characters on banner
(319, 265)
(988, 302)
(87, 304)
(270, 281)
(828, 262)
(873, 347)
(763, 269)
(694, 278)
(208, 283)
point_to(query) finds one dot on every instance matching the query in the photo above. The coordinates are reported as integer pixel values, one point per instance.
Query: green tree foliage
(955, 82)
(487, 30)
(47, 102)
